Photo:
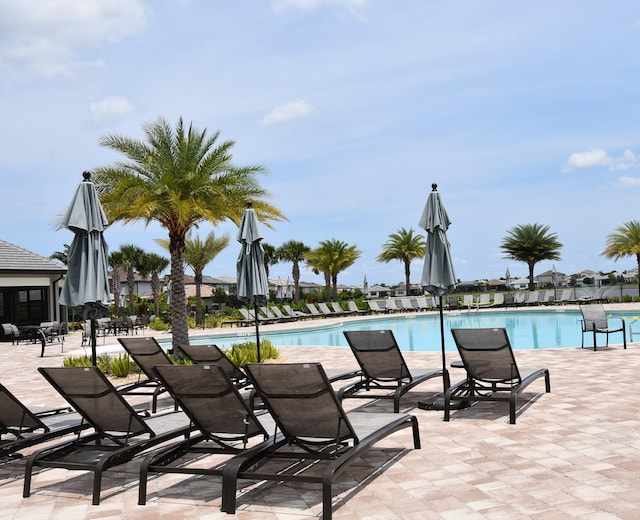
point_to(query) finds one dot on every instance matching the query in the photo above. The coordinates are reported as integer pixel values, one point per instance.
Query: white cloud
(109, 109)
(628, 182)
(355, 7)
(288, 112)
(600, 157)
(44, 36)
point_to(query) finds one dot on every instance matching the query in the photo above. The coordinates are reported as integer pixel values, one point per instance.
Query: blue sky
(521, 112)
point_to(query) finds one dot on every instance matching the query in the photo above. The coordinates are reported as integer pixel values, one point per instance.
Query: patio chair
(532, 298)
(407, 305)
(354, 309)
(492, 371)
(119, 433)
(338, 310)
(377, 307)
(327, 312)
(385, 374)
(213, 355)
(279, 316)
(147, 353)
(594, 320)
(225, 423)
(22, 426)
(424, 304)
(453, 303)
(316, 432)
(498, 300)
(313, 310)
(290, 313)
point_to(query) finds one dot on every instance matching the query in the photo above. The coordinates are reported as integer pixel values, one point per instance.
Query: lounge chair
(453, 303)
(353, 308)
(376, 306)
(213, 355)
(598, 296)
(392, 305)
(484, 300)
(147, 353)
(225, 423)
(313, 311)
(119, 432)
(290, 313)
(424, 304)
(498, 300)
(492, 371)
(594, 320)
(278, 314)
(549, 297)
(406, 305)
(316, 430)
(337, 309)
(565, 296)
(385, 374)
(467, 301)
(22, 426)
(327, 312)
(532, 298)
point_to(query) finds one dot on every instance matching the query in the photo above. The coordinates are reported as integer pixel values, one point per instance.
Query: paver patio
(574, 453)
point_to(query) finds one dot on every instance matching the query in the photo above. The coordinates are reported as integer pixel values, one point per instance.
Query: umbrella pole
(255, 311)
(94, 342)
(445, 372)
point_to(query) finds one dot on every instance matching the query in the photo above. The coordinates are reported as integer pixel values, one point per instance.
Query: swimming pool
(538, 329)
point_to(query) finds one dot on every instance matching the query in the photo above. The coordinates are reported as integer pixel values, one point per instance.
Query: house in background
(29, 286)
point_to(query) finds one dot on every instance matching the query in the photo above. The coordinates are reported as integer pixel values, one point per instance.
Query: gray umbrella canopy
(438, 276)
(86, 287)
(279, 290)
(253, 286)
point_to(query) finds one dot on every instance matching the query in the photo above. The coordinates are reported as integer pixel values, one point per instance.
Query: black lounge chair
(315, 430)
(385, 374)
(119, 432)
(22, 427)
(147, 353)
(594, 319)
(492, 371)
(212, 402)
(213, 355)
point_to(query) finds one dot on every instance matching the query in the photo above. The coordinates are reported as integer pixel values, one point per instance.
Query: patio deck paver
(574, 453)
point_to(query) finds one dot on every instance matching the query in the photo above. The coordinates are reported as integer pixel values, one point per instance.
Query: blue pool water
(526, 329)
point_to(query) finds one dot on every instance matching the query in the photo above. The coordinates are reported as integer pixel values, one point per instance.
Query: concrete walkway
(574, 453)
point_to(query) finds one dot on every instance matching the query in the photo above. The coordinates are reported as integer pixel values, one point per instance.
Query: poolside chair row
(304, 421)
(304, 424)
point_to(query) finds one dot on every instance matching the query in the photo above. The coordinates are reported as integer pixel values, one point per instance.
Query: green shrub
(104, 363)
(159, 324)
(76, 361)
(247, 352)
(627, 298)
(122, 366)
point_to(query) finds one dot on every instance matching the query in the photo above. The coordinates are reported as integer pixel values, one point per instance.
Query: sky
(521, 112)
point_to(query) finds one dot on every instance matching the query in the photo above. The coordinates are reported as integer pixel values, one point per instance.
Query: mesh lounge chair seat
(22, 427)
(594, 320)
(385, 374)
(213, 355)
(492, 371)
(315, 428)
(147, 353)
(119, 432)
(225, 423)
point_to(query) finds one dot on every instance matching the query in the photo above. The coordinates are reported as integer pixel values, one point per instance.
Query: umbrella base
(436, 402)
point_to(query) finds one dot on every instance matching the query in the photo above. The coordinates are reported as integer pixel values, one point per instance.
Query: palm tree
(61, 256)
(625, 242)
(132, 258)
(270, 256)
(153, 264)
(179, 178)
(331, 258)
(116, 262)
(404, 246)
(198, 253)
(294, 252)
(531, 243)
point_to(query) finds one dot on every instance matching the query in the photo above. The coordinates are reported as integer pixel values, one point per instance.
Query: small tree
(531, 243)
(625, 241)
(404, 246)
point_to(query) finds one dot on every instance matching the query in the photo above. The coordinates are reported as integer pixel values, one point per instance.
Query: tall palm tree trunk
(179, 326)
(199, 318)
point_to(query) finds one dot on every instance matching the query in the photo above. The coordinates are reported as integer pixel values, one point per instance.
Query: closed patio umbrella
(365, 287)
(253, 286)
(279, 290)
(288, 294)
(554, 281)
(86, 288)
(507, 279)
(438, 276)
